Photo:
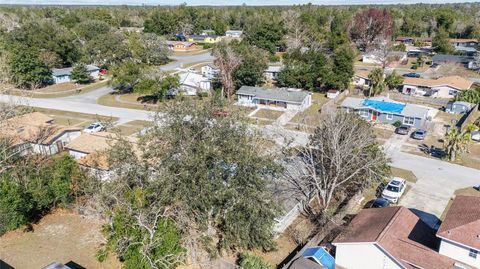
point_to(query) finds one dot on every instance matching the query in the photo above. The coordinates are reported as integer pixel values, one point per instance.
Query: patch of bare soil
(61, 236)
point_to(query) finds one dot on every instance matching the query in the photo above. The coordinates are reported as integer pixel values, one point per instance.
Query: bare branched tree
(342, 152)
(296, 31)
(227, 61)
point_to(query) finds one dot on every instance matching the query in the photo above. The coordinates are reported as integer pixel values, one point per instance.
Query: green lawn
(58, 90)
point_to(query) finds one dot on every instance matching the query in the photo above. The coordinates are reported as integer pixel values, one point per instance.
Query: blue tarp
(384, 106)
(321, 256)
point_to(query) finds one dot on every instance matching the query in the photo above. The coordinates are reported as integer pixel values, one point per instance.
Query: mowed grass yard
(311, 115)
(61, 236)
(131, 127)
(59, 90)
(75, 119)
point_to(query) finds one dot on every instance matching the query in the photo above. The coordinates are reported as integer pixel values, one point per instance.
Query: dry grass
(130, 101)
(132, 127)
(382, 133)
(454, 70)
(61, 236)
(405, 174)
(311, 115)
(73, 118)
(58, 90)
(268, 114)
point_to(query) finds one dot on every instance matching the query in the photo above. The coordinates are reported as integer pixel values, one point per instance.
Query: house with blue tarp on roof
(314, 258)
(387, 111)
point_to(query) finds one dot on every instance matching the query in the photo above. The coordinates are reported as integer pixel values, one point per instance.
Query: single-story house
(393, 56)
(384, 110)
(464, 42)
(209, 39)
(210, 71)
(460, 231)
(37, 133)
(332, 94)
(405, 39)
(444, 87)
(467, 61)
(271, 73)
(458, 107)
(181, 46)
(314, 258)
(416, 51)
(279, 98)
(89, 149)
(61, 75)
(191, 84)
(360, 78)
(390, 237)
(234, 33)
(467, 51)
(208, 32)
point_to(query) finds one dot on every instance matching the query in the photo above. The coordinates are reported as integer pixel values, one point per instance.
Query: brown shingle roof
(456, 82)
(33, 127)
(362, 73)
(398, 232)
(462, 222)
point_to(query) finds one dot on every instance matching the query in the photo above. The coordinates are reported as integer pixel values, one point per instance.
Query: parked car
(412, 75)
(419, 134)
(403, 130)
(394, 190)
(378, 203)
(476, 136)
(94, 128)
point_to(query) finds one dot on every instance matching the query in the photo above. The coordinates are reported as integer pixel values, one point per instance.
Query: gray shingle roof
(278, 94)
(451, 58)
(56, 72)
(408, 111)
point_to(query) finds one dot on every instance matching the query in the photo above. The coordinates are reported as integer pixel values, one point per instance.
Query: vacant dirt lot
(61, 236)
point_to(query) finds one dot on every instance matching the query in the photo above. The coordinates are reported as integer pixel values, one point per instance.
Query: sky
(224, 2)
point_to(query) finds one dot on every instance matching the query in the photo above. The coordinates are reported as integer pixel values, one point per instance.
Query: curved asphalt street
(184, 60)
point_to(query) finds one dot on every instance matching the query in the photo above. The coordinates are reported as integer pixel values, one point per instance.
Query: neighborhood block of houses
(279, 98)
(444, 87)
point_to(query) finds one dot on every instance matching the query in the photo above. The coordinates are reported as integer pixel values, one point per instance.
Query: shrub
(397, 124)
(250, 261)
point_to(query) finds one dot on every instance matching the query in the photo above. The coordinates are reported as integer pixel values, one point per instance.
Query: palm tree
(456, 141)
(377, 79)
(393, 80)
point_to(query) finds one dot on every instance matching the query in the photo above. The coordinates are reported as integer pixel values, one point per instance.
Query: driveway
(437, 180)
(183, 60)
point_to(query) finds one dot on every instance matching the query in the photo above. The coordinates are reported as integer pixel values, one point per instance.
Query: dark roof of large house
(451, 58)
(305, 263)
(462, 222)
(398, 232)
(277, 94)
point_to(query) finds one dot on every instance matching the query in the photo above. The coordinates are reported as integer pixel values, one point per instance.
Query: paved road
(89, 97)
(183, 60)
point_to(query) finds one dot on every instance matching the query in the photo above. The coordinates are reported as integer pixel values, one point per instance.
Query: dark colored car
(411, 75)
(379, 203)
(403, 130)
(419, 134)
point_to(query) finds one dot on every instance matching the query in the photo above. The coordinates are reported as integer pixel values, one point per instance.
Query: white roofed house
(277, 98)
(210, 71)
(192, 84)
(234, 33)
(360, 78)
(61, 75)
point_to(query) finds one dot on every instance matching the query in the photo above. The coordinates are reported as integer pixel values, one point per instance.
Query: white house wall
(52, 148)
(362, 256)
(459, 253)
(77, 154)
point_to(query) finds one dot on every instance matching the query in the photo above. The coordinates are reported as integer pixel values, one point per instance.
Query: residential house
(209, 39)
(392, 57)
(180, 46)
(387, 111)
(405, 39)
(210, 71)
(460, 231)
(444, 87)
(410, 40)
(278, 98)
(314, 258)
(388, 238)
(271, 73)
(332, 94)
(466, 51)
(89, 149)
(462, 42)
(458, 107)
(192, 84)
(234, 33)
(208, 32)
(61, 75)
(37, 133)
(360, 78)
(466, 61)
